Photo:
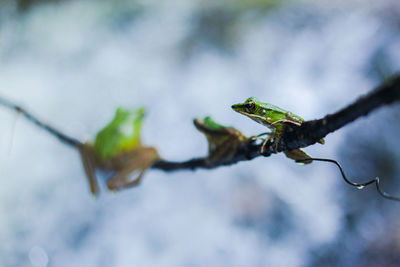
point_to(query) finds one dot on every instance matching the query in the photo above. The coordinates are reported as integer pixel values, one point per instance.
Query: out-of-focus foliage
(219, 24)
(24, 5)
(121, 134)
(223, 141)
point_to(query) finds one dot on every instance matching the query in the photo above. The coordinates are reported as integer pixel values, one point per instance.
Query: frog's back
(268, 106)
(279, 110)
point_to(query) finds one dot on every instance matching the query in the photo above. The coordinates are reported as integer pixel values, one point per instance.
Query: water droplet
(361, 187)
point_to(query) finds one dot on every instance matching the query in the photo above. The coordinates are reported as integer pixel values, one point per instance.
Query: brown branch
(293, 137)
(312, 131)
(308, 133)
(246, 151)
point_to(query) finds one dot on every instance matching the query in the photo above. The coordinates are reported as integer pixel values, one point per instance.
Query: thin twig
(60, 135)
(246, 151)
(360, 186)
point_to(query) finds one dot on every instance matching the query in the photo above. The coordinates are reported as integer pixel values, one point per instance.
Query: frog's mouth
(236, 107)
(240, 108)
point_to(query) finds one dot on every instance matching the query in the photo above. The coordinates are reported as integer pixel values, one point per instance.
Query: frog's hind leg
(287, 121)
(299, 154)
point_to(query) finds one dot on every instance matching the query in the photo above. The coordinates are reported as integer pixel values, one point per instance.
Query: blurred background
(72, 63)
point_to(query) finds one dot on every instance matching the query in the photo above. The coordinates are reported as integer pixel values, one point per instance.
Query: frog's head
(248, 107)
(254, 109)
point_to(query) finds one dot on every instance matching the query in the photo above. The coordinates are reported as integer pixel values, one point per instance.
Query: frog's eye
(250, 107)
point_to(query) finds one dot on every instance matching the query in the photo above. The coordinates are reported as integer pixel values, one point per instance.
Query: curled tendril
(376, 180)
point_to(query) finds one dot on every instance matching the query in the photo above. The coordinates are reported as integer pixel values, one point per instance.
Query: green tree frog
(223, 141)
(117, 148)
(275, 119)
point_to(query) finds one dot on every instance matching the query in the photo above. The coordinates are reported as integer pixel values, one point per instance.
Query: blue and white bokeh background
(72, 63)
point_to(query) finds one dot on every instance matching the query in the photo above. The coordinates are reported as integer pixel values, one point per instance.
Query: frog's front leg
(89, 163)
(298, 154)
(271, 136)
(275, 137)
(255, 137)
(281, 125)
